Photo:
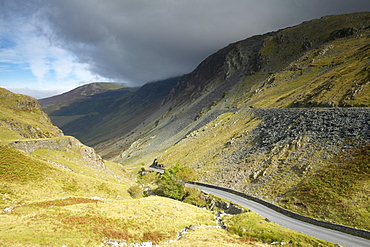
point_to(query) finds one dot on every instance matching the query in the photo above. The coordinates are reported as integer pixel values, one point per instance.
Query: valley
(283, 116)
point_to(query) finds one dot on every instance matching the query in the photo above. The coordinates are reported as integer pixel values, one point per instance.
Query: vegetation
(68, 201)
(16, 167)
(90, 222)
(194, 151)
(252, 226)
(22, 117)
(211, 236)
(172, 184)
(334, 74)
(135, 191)
(25, 178)
(338, 192)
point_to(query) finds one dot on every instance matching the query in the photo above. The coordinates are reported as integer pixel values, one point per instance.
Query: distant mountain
(105, 116)
(78, 94)
(225, 121)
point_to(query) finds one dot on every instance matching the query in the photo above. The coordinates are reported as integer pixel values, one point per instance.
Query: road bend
(330, 235)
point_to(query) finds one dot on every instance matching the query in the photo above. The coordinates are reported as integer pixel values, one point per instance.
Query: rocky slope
(59, 188)
(323, 62)
(223, 129)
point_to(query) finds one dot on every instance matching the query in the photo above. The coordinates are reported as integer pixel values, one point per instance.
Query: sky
(52, 46)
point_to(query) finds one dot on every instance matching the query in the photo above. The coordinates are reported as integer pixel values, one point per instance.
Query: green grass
(63, 120)
(88, 222)
(74, 160)
(195, 150)
(209, 237)
(17, 167)
(253, 226)
(22, 117)
(338, 192)
(25, 178)
(338, 77)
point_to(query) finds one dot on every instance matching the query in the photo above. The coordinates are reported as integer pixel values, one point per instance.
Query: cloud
(142, 40)
(37, 93)
(27, 42)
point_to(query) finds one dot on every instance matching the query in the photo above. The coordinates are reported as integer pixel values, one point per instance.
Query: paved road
(294, 224)
(155, 169)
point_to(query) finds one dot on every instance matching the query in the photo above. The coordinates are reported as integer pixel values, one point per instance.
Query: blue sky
(31, 64)
(51, 46)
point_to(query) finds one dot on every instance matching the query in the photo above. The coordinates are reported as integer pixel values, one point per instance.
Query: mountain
(265, 115)
(79, 93)
(55, 191)
(105, 116)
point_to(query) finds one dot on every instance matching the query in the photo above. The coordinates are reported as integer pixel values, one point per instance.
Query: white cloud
(34, 48)
(38, 94)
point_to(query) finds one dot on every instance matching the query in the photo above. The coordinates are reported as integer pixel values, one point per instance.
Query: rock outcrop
(287, 145)
(67, 144)
(23, 117)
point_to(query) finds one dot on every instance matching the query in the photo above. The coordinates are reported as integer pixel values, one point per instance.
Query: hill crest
(79, 93)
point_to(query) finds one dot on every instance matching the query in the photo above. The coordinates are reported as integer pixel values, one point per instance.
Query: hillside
(266, 71)
(78, 94)
(104, 116)
(263, 115)
(32, 145)
(55, 191)
(22, 117)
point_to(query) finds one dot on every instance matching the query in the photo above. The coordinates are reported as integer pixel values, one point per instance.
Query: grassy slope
(339, 192)
(195, 150)
(26, 178)
(89, 222)
(55, 207)
(21, 116)
(334, 74)
(54, 103)
(253, 226)
(51, 205)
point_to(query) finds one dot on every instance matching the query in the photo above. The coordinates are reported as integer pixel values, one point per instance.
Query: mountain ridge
(250, 72)
(80, 93)
(213, 119)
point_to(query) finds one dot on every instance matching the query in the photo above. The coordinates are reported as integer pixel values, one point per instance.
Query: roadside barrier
(351, 230)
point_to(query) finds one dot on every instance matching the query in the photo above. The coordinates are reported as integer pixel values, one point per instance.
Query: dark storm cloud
(145, 40)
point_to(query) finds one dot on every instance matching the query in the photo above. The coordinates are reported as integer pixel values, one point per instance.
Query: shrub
(172, 182)
(194, 196)
(171, 188)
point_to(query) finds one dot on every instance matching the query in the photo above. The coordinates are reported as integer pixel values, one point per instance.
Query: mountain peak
(81, 92)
